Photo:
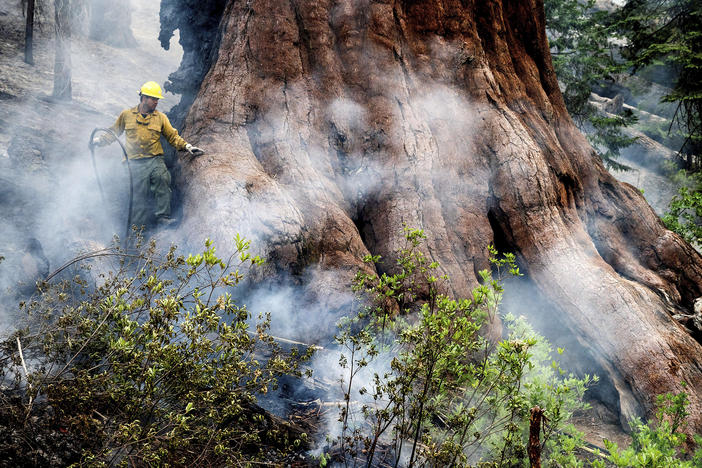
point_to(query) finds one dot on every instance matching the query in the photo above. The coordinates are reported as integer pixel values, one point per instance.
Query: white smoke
(44, 144)
(107, 80)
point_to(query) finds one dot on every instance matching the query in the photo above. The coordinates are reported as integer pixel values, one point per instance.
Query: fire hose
(129, 170)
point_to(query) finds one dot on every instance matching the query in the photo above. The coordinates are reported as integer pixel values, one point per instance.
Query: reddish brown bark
(328, 124)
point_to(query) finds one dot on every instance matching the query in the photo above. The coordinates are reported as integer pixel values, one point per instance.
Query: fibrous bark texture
(329, 124)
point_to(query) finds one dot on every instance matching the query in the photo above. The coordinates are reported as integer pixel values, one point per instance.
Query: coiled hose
(128, 229)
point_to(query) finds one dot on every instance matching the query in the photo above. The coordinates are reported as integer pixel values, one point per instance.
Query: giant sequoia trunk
(329, 124)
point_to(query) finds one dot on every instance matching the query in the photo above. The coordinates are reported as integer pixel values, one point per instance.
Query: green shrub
(685, 214)
(448, 397)
(661, 443)
(685, 209)
(556, 391)
(157, 366)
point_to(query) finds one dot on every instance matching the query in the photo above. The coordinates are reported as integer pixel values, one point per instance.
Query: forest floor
(104, 77)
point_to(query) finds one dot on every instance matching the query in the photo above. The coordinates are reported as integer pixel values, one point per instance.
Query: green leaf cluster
(449, 396)
(558, 392)
(684, 215)
(157, 366)
(659, 444)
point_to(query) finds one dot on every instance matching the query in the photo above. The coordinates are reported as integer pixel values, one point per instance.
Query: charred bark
(29, 34)
(328, 124)
(534, 447)
(198, 22)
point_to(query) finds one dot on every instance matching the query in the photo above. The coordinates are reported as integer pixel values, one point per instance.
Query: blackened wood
(534, 448)
(29, 34)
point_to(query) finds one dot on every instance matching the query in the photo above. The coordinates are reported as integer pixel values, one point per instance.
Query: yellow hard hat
(151, 88)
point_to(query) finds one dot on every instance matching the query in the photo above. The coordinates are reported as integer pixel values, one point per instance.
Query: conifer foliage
(581, 41)
(669, 33)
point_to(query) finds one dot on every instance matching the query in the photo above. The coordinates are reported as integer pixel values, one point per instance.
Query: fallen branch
(290, 342)
(26, 375)
(98, 253)
(319, 402)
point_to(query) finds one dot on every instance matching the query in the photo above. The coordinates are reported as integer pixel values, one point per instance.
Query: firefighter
(144, 126)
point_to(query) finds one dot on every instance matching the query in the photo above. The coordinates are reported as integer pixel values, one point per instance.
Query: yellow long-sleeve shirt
(143, 133)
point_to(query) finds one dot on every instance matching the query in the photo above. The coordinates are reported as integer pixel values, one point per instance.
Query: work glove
(98, 142)
(194, 150)
(92, 144)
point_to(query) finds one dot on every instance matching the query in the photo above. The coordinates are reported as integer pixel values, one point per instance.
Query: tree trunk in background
(110, 22)
(62, 60)
(329, 124)
(534, 446)
(29, 34)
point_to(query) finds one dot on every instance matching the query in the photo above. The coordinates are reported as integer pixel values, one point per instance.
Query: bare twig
(318, 402)
(26, 375)
(97, 253)
(287, 341)
(534, 444)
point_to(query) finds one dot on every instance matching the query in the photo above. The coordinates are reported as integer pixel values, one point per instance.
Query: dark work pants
(152, 190)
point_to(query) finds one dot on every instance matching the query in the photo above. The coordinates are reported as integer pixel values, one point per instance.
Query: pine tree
(581, 47)
(669, 33)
